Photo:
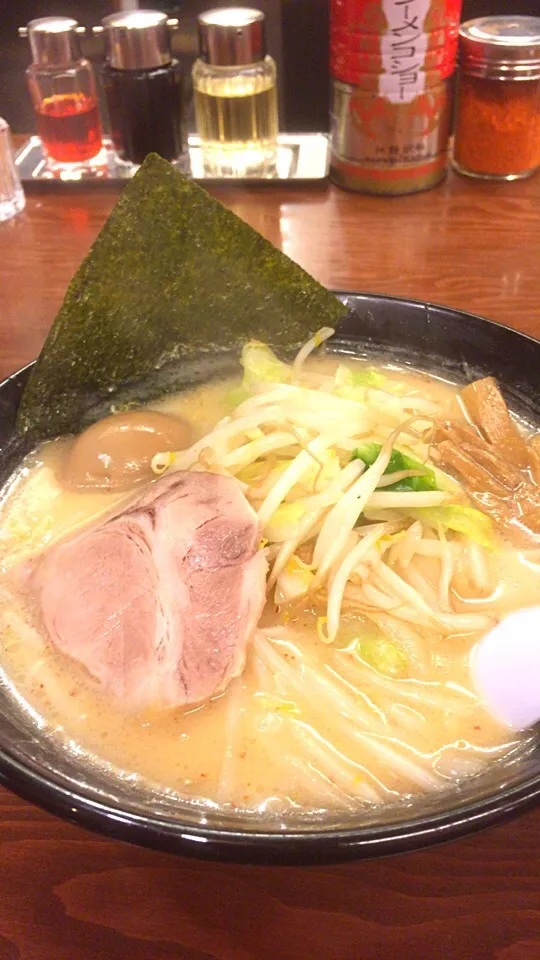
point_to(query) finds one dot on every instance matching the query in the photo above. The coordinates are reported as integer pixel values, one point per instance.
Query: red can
(392, 64)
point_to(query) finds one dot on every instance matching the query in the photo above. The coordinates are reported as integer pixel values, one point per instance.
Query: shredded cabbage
(352, 384)
(284, 522)
(294, 581)
(262, 366)
(236, 396)
(368, 452)
(466, 520)
(255, 472)
(383, 656)
(278, 705)
(252, 472)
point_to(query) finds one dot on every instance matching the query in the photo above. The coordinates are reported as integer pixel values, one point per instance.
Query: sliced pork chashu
(160, 602)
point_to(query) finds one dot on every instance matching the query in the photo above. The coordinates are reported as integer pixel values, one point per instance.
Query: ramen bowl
(41, 768)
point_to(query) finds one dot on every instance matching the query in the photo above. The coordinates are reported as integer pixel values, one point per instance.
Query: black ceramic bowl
(36, 766)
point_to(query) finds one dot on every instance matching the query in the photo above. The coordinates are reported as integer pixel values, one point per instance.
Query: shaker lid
(503, 47)
(137, 39)
(232, 36)
(54, 41)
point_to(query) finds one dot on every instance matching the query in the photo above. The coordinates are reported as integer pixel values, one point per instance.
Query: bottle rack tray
(302, 158)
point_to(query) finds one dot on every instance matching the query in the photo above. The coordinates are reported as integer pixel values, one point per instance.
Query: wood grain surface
(69, 895)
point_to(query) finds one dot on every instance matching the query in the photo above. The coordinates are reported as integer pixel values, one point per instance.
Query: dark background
(297, 33)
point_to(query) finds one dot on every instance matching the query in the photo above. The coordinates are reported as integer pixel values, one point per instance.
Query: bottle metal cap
(137, 39)
(232, 36)
(502, 48)
(54, 41)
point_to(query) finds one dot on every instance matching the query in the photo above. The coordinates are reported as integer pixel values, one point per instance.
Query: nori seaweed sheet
(172, 275)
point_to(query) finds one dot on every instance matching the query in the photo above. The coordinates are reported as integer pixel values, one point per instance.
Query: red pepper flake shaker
(392, 64)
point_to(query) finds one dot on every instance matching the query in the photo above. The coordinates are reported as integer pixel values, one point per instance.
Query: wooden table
(69, 895)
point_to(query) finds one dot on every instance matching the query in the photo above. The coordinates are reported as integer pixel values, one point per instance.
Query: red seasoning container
(62, 86)
(392, 64)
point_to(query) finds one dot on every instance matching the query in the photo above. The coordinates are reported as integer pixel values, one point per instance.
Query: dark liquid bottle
(143, 87)
(69, 127)
(145, 111)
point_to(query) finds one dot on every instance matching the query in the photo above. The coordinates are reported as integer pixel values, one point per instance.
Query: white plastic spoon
(505, 669)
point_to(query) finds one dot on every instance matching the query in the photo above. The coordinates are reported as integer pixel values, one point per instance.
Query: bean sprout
(323, 334)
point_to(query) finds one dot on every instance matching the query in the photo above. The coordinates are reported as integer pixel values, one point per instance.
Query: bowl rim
(292, 846)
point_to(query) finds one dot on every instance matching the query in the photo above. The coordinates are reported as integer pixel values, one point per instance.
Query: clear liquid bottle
(63, 91)
(235, 94)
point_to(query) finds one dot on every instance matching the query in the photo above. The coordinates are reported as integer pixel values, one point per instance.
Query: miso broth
(383, 712)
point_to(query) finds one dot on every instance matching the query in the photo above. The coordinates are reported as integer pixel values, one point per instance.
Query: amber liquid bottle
(235, 93)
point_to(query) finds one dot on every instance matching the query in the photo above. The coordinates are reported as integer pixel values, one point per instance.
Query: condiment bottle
(143, 87)
(392, 65)
(12, 199)
(235, 92)
(63, 91)
(497, 133)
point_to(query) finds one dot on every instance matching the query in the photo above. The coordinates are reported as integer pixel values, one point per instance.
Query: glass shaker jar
(143, 87)
(63, 91)
(497, 130)
(12, 199)
(235, 93)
